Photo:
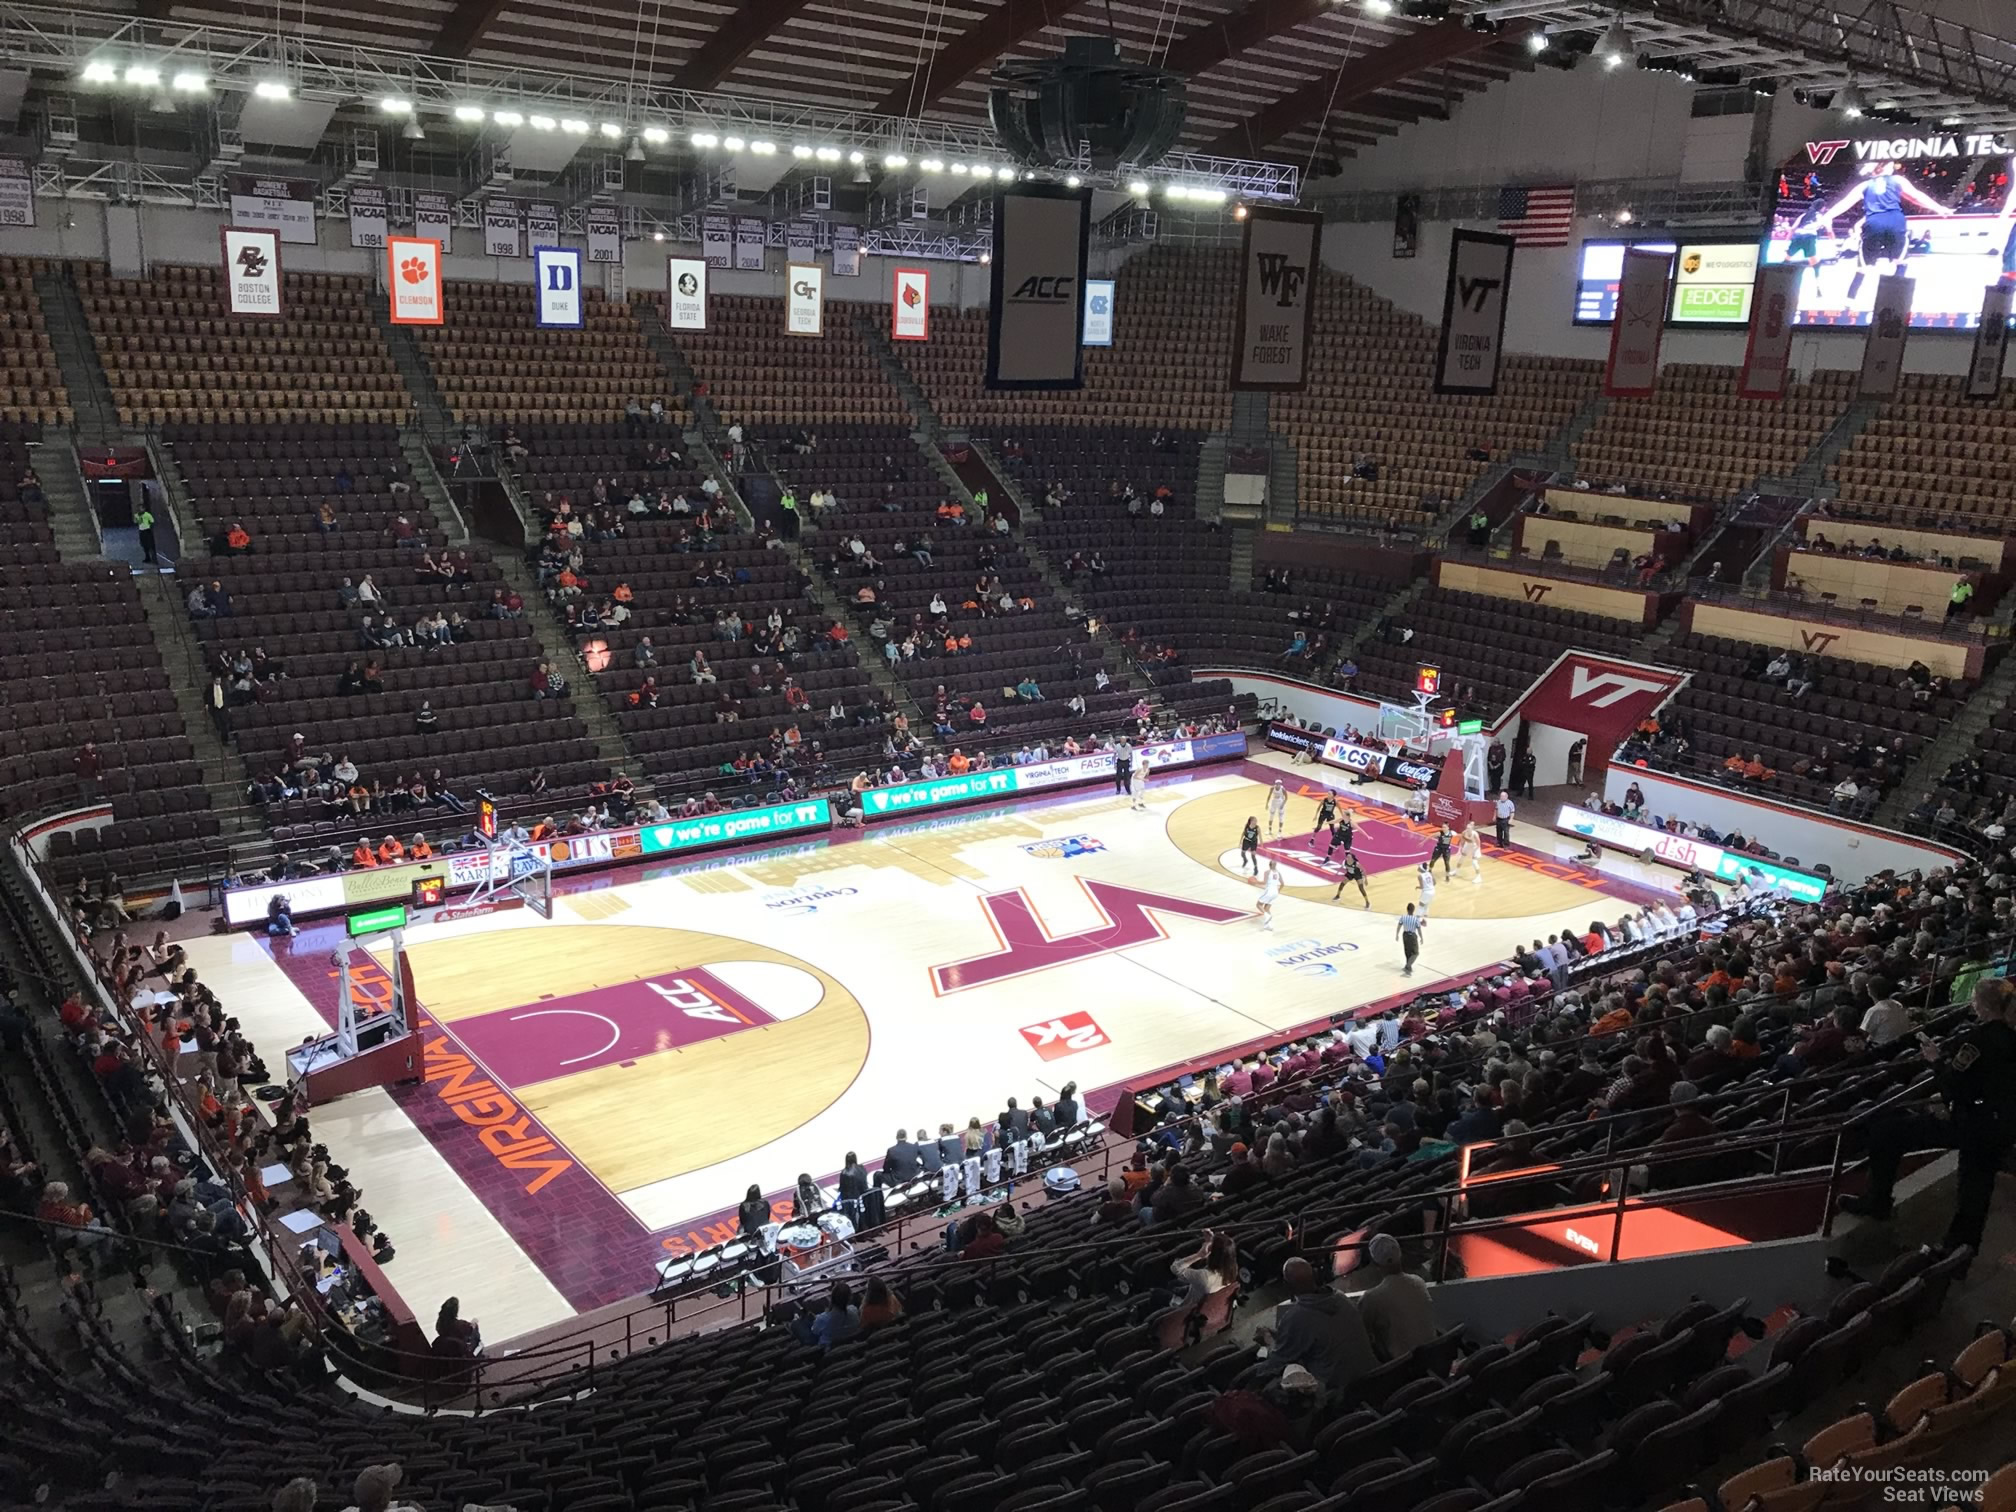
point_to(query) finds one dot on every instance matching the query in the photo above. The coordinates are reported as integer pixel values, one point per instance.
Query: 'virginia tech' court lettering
(1027, 944)
(506, 1131)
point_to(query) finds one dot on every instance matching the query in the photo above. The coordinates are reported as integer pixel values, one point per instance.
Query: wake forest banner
(1277, 299)
(1041, 235)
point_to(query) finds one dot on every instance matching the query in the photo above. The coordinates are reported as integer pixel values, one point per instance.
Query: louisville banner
(17, 192)
(1472, 344)
(604, 225)
(503, 221)
(542, 225)
(557, 273)
(1277, 299)
(846, 251)
(1991, 343)
(1889, 325)
(1767, 355)
(717, 240)
(752, 236)
(805, 308)
(1633, 370)
(1041, 234)
(910, 306)
(413, 273)
(252, 271)
(434, 218)
(686, 293)
(274, 204)
(368, 220)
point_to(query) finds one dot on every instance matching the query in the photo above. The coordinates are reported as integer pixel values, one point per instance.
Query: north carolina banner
(910, 306)
(1767, 355)
(368, 222)
(1472, 343)
(252, 271)
(1277, 300)
(604, 225)
(434, 218)
(1991, 343)
(1640, 322)
(1041, 235)
(1889, 325)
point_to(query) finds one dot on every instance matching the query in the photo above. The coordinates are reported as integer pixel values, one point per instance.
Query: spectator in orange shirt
(836, 633)
(1616, 1020)
(420, 850)
(958, 765)
(390, 851)
(543, 830)
(363, 855)
(977, 715)
(237, 540)
(622, 594)
(1755, 770)
(1734, 765)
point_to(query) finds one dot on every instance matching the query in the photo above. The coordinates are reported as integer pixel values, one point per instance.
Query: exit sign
(376, 920)
(1470, 727)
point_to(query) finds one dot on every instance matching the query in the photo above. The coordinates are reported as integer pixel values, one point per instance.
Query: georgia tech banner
(1889, 325)
(910, 306)
(1277, 300)
(805, 306)
(1473, 313)
(252, 271)
(1640, 321)
(1767, 355)
(1991, 343)
(1041, 235)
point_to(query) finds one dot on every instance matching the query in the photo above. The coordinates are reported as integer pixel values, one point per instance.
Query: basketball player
(1341, 833)
(1277, 810)
(1325, 812)
(1886, 233)
(1353, 873)
(1270, 892)
(1424, 876)
(1249, 846)
(1137, 782)
(1470, 846)
(1444, 840)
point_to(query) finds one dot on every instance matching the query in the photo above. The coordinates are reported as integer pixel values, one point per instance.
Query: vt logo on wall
(1129, 917)
(1598, 697)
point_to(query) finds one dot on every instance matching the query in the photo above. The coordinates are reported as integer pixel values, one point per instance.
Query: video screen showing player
(1947, 221)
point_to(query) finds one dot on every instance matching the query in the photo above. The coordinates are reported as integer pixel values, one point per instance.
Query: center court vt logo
(1129, 919)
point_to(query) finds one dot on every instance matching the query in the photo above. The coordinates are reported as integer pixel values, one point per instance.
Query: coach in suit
(1013, 1123)
(951, 1146)
(930, 1159)
(901, 1161)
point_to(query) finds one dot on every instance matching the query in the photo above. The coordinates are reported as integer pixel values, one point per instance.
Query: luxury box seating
(1935, 459)
(173, 356)
(1695, 438)
(31, 382)
(494, 363)
(757, 374)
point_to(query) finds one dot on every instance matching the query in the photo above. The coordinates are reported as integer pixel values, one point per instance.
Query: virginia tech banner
(1991, 343)
(1767, 355)
(252, 271)
(1277, 299)
(1041, 235)
(1472, 344)
(1640, 321)
(1889, 325)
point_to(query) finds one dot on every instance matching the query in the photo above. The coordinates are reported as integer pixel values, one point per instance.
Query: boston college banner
(1041, 234)
(1889, 324)
(1991, 343)
(252, 271)
(1767, 356)
(1277, 300)
(910, 306)
(1640, 321)
(1473, 313)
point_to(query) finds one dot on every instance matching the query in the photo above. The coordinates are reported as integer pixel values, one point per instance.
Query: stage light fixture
(1378, 7)
(657, 136)
(763, 147)
(1138, 188)
(1536, 42)
(732, 144)
(704, 139)
(1072, 181)
(931, 165)
(393, 105)
(657, 236)
(634, 153)
(541, 122)
(142, 75)
(191, 82)
(1618, 45)
(101, 72)
(895, 160)
(573, 126)
(801, 152)
(511, 118)
(470, 113)
(611, 130)
(1848, 100)
(273, 89)
(828, 154)
(1089, 99)
(412, 131)
(857, 157)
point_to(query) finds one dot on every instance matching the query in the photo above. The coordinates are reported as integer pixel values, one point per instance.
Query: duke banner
(274, 204)
(557, 271)
(252, 271)
(910, 306)
(717, 241)
(17, 192)
(368, 223)
(542, 225)
(805, 306)
(413, 274)
(1277, 300)
(1889, 324)
(434, 218)
(1767, 355)
(604, 225)
(1472, 344)
(1633, 370)
(752, 236)
(1041, 234)
(846, 251)
(503, 220)
(1991, 343)
(686, 293)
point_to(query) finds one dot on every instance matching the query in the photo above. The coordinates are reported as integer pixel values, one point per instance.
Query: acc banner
(368, 224)
(1277, 300)
(685, 293)
(1099, 312)
(846, 251)
(252, 271)
(805, 309)
(604, 225)
(17, 193)
(1889, 324)
(274, 204)
(1473, 313)
(413, 273)
(752, 236)
(1640, 321)
(1767, 356)
(558, 272)
(910, 306)
(717, 241)
(503, 219)
(1991, 342)
(434, 218)
(1041, 232)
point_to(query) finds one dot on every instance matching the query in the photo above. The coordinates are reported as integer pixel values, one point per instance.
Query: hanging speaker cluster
(1047, 112)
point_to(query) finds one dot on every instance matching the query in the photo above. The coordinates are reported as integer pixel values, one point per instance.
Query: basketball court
(674, 1033)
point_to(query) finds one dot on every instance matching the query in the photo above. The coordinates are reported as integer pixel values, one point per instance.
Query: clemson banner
(910, 306)
(413, 274)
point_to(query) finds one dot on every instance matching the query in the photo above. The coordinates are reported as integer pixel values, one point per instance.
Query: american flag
(1537, 217)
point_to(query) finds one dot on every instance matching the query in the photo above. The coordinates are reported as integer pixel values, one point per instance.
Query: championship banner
(1041, 233)
(805, 305)
(368, 221)
(1099, 312)
(846, 251)
(801, 241)
(1473, 313)
(17, 192)
(1991, 342)
(604, 225)
(752, 237)
(1633, 371)
(1406, 225)
(1767, 355)
(252, 272)
(717, 241)
(274, 204)
(686, 293)
(434, 218)
(910, 306)
(557, 271)
(542, 225)
(1277, 300)
(503, 219)
(1889, 324)
(413, 274)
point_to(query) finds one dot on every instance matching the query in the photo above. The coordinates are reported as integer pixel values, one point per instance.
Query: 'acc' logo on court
(1059, 1037)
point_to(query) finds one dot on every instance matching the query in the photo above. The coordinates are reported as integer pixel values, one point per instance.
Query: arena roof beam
(1228, 36)
(740, 35)
(465, 26)
(1363, 76)
(1009, 25)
